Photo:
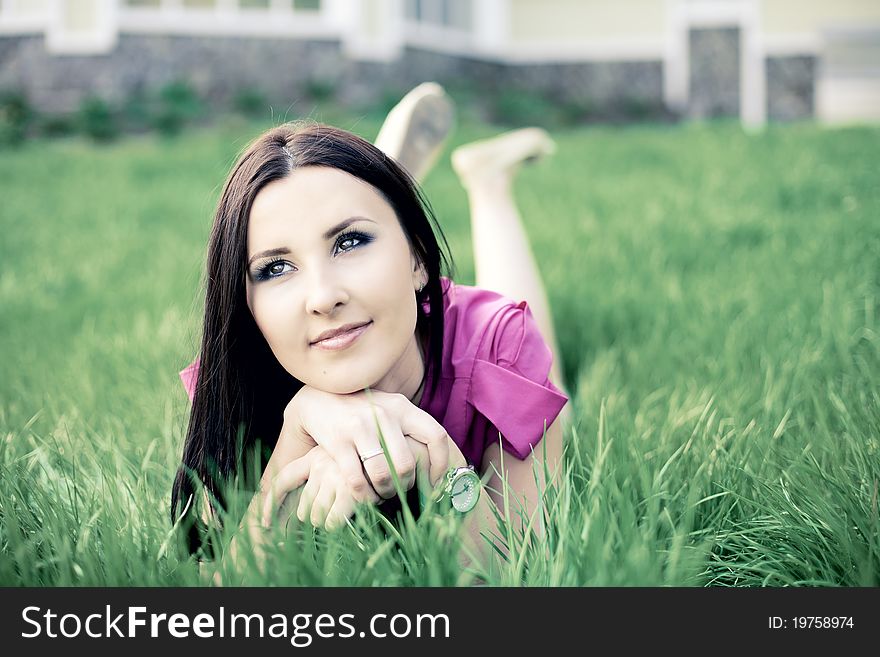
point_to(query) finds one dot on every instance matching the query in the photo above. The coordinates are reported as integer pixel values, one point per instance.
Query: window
(443, 13)
(413, 10)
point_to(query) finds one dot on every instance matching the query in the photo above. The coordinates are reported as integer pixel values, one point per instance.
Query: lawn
(716, 295)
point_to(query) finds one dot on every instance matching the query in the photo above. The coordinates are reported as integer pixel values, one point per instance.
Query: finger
(423, 460)
(287, 511)
(352, 471)
(379, 475)
(402, 460)
(323, 503)
(343, 509)
(420, 426)
(352, 436)
(310, 491)
(291, 476)
(423, 469)
(362, 433)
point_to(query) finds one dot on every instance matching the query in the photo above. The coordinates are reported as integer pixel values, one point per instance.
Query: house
(758, 60)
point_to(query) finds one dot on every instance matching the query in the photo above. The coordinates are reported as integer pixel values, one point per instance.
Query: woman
(327, 314)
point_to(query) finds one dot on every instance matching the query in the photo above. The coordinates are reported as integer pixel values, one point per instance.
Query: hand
(346, 427)
(325, 499)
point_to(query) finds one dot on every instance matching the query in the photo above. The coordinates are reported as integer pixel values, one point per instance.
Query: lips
(340, 337)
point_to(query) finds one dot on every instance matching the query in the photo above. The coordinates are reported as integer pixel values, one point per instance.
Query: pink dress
(494, 381)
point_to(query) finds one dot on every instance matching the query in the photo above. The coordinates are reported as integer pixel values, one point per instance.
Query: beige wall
(79, 15)
(24, 7)
(841, 101)
(847, 85)
(578, 20)
(583, 20)
(371, 18)
(811, 16)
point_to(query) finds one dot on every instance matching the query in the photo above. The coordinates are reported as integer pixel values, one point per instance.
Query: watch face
(465, 491)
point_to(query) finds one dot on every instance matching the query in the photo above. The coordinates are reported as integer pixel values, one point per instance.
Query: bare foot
(416, 128)
(499, 158)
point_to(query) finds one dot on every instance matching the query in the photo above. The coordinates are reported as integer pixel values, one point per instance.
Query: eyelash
(263, 273)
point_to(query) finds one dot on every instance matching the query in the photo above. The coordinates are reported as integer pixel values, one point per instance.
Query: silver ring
(369, 455)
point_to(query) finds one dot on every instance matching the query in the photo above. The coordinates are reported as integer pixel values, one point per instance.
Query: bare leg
(414, 132)
(416, 128)
(502, 255)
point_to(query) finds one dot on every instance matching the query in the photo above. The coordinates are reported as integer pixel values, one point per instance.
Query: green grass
(716, 299)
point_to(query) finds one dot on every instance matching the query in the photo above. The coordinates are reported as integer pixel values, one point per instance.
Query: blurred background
(140, 62)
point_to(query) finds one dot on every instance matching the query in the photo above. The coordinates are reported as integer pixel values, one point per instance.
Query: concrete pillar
(374, 31)
(491, 26)
(81, 27)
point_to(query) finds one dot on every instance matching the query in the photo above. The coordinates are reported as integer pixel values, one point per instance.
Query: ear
(419, 274)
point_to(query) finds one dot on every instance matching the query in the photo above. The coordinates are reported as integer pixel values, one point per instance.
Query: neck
(418, 396)
(405, 377)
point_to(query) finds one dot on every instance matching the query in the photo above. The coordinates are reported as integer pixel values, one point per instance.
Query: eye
(273, 269)
(346, 242)
(276, 268)
(353, 239)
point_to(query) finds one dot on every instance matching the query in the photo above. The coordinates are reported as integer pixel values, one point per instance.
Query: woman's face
(326, 250)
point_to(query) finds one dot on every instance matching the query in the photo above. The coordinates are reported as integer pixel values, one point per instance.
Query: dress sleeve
(189, 375)
(510, 384)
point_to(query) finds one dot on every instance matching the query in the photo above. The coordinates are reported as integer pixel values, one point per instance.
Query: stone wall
(219, 67)
(216, 67)
(714, 73)
(791, 88)
(608, 88)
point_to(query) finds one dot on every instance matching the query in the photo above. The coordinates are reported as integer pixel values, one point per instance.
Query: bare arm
(480, 529)
(251, 523)
(293, 443)
(521, 505)
(317, 424)
(520, 475)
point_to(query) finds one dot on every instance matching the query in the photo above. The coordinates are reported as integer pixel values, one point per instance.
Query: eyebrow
(342, 225)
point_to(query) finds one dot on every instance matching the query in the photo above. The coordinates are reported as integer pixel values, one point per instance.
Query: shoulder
(476, 312)
(476, 301)
(508, 365)
(496, 366)
(490, 326)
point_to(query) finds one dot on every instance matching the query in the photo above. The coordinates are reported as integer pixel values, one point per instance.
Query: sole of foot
(417, 127)
(502, 155)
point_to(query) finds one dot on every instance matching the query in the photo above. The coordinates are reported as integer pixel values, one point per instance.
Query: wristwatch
(462, 488)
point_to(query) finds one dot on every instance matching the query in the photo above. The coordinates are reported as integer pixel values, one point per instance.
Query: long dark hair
(242, 389)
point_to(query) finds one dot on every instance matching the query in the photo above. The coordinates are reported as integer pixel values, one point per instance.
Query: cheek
(256, 306)
(270, 312)
(391, 270)
(393, 293)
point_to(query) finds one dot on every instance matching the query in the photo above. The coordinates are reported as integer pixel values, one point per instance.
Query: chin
(346, 385)
(343, 389)
(347, 375)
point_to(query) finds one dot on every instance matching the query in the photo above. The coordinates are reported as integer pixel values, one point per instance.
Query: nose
(325, 293)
